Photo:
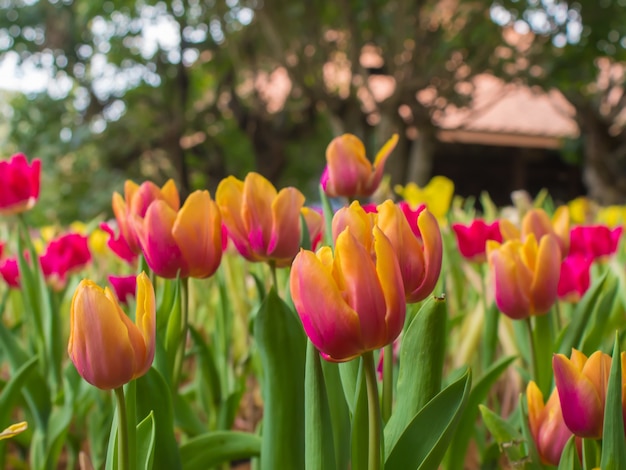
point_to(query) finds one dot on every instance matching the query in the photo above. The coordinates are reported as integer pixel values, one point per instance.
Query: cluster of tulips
(378, 334)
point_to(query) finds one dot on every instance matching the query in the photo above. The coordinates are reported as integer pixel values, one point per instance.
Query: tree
(579, 48)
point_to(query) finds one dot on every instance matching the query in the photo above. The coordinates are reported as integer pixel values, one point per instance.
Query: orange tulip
(352, 301)
(348, 172)
(107, 348)
(135, 204)
(264, 225)
(186, 243)
(525, 276)
(546, 424)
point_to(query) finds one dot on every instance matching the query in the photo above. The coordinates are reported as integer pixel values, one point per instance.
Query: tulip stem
(272, 264)
(533, 353)
(122, 431)
(387, 381)
(184, 317)
(373, 412)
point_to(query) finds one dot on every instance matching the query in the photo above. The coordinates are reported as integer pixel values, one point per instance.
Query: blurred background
(497, 95)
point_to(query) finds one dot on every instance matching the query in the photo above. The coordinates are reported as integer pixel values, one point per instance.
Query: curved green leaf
(215, 448)
(145, 443)
(424, 442)
(613, 438)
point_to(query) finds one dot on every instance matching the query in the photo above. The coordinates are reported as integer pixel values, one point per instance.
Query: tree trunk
(421, 156)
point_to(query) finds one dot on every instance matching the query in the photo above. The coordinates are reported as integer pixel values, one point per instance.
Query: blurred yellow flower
(580, 210)
(437, 195)
(612, 215)
(13, 430)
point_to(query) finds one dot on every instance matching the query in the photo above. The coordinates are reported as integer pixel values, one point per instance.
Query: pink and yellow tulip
(107, 348)
(537, 222)
(135, 203)
(525, 275)
(350, 301)
(186, 243)
(264, 225)
(546, 424)
(19, 184)
(348, 172)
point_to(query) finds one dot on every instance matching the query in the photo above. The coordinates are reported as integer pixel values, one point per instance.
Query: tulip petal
(328, 320)
(347, 166)
(545, 283)
(169, 192)
(536, 406)
(379, 165)
(145, 319)
(433, 256)
(358, 280)
(390, 278)
(582, 410)
(285, 236)
(197, 232)
(256, 211)
(507, 274)
(229, 198)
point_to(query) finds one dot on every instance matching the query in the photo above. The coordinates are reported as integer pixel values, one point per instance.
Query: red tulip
(594, 241)
(574, 279)
(472, 239)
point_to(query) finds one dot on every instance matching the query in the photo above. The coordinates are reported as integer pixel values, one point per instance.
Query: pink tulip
(124, 287)
(119, 245)
(472, 239)
(574, 279)
(19, 184)
(10, 272)
(65, 255)
(595, 241)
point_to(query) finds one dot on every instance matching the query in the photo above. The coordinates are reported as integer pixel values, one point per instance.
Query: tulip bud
(107, 348)
(264, 225)
(348, 172)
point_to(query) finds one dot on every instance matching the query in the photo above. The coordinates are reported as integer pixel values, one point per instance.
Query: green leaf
(423, 343)
(219, 447)
(423, 443)
(153, 395)
(339, 413)
(145, 443)
(569, 456)
(282, 344)
(466, 429)
(173, 332)
(509, 439)
(585, 315)
(348, 374)
(591, 454)
(319, 450)
(613, 438)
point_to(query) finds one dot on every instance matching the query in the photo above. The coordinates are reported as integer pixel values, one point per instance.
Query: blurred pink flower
(10, 272)
(19, 184)
(594, 241)
(472, 238)
(574, 279)
(124, 287)
(119, 245)
(64, 256)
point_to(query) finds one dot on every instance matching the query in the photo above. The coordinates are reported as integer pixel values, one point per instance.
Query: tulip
(537, 222)
(264, 225)
(574, 279)
(436, 195)
(19, 184)
(581, 210)
(186, 243)
(107, 348)
(1, 249)
(352, 301)
(315, 225)
(10, 272)
(64, 255)
(595, 241)
(525, 275)
(582, 383)
(472, 239)
(124, 287)
(135, 204)
(348, 172)
(546, 424)
(419, 258)
(612, 215)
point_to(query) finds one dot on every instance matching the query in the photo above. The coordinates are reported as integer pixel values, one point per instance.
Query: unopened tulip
(575, 278)
(472, 239)
(546, 424)
(107, 348)
(525, 275)
(135, 203)
(10, 272)
(19, 184)
(348, 172)
(582, 384)
(350, 301)
(186, 243)
(595, 241)
(264, 225)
